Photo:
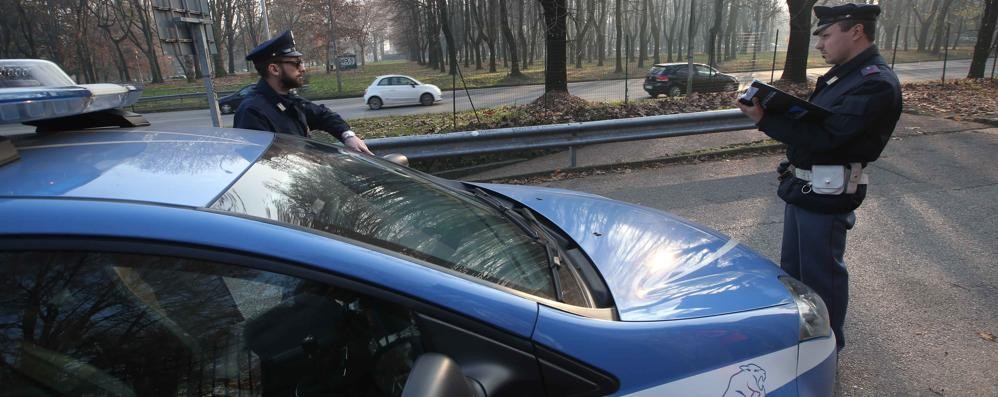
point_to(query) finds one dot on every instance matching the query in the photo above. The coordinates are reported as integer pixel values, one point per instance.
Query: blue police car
(159, 261)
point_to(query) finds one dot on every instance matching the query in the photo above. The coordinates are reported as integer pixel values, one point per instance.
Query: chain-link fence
(478, 85)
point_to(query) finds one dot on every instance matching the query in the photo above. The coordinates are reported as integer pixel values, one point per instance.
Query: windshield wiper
(520, 216)
(554, 260)
(506, 211)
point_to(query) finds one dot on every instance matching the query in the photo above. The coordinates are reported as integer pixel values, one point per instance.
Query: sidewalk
(663, 149)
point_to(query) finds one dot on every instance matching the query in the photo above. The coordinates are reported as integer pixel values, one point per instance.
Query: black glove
(783, 170)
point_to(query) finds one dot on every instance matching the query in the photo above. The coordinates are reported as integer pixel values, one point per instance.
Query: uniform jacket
(265, 110)
(864, 96)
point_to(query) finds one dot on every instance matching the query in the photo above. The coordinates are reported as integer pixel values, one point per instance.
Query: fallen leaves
(987, 336)
(957, 99)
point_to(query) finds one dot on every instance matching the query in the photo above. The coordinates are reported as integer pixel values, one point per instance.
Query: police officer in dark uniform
(823, 180)
(272, 106)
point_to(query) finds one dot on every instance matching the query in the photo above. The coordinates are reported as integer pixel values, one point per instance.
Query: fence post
(626, 61)
(895, 54)
(453, 97)
(571, 153)
(776, 43)
(945, 51)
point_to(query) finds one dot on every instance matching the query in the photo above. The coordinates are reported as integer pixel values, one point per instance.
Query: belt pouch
(828, 179)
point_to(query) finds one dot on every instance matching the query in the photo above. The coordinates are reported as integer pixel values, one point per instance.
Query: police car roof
(189, 167)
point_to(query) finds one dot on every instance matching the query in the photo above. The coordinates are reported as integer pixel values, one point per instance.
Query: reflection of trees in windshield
(354, 196)
(93, 324)
(191, 157)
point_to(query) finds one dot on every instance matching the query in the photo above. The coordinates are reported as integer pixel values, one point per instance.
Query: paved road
(923, 254)
(353, 108)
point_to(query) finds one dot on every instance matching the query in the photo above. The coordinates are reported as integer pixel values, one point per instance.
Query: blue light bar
(33, 89)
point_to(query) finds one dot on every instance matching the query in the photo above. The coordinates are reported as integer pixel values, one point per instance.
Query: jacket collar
(272, 96)
(860, 59)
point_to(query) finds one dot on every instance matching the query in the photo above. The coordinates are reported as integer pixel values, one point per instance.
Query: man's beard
(289, 82)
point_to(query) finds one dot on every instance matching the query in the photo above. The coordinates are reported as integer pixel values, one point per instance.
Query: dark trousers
(813, 246)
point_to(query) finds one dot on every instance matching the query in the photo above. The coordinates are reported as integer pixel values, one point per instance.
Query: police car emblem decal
(749, 381)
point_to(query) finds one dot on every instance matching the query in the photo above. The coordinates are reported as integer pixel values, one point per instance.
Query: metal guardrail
(562, 135)
(180, 96)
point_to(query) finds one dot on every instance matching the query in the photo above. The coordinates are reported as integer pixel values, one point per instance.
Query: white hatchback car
(400, 90)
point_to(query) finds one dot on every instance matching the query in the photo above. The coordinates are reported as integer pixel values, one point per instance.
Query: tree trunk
(656, 33)
(485, 30)
(507, 34)
(556, 74)
(925, 25)
(601, 33)
(643, 35)
(715, 30)
(521, 38)
(982, 48)
(731, 43)
(581, 29)
(448, 36)
(795, 67)
(537, 18)
(618, 21)
(670, 38)
(941, 39)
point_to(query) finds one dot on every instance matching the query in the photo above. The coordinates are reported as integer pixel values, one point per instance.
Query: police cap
(856, 12)
(281, 46)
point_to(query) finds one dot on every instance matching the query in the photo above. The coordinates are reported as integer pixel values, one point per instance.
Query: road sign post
(198, 27)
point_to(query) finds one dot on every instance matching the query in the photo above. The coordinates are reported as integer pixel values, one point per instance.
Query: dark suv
(670, 79)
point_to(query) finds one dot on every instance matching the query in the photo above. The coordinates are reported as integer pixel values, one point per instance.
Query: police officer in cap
(272, 106)
(824, 180)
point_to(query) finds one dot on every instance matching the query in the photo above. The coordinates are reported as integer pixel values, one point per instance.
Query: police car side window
(79, 323)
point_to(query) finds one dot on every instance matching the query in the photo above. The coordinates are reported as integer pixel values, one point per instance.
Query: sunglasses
(298, 63)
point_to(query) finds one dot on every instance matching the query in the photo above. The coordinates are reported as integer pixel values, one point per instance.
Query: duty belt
(855, 174)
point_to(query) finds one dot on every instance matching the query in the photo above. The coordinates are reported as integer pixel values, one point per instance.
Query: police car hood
(656, 265)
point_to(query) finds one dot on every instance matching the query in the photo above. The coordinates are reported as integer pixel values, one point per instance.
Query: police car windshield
(325, 189)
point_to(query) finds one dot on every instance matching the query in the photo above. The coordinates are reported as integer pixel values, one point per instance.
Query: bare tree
(656, 31)
(507, 33)
(643, 34)
(141, 32)
(940, 23)
(925, 23)
(714, 32)
(486, 29)
(107, 21)
(618, 22)
(449, 36)
(795, 67)
(982, 48)
(223, 20)
(556, 74)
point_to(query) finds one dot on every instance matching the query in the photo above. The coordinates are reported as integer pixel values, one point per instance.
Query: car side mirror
(397, 158)
(436, 375)
(413, 85)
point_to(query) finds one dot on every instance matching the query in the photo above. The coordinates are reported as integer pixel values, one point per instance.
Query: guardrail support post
(571, 153)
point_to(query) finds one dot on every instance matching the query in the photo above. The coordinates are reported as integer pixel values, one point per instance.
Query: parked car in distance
(671, 78)
(229, 103)
(400, 90)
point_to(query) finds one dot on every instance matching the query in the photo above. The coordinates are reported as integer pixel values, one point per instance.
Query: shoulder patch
(871, 69)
